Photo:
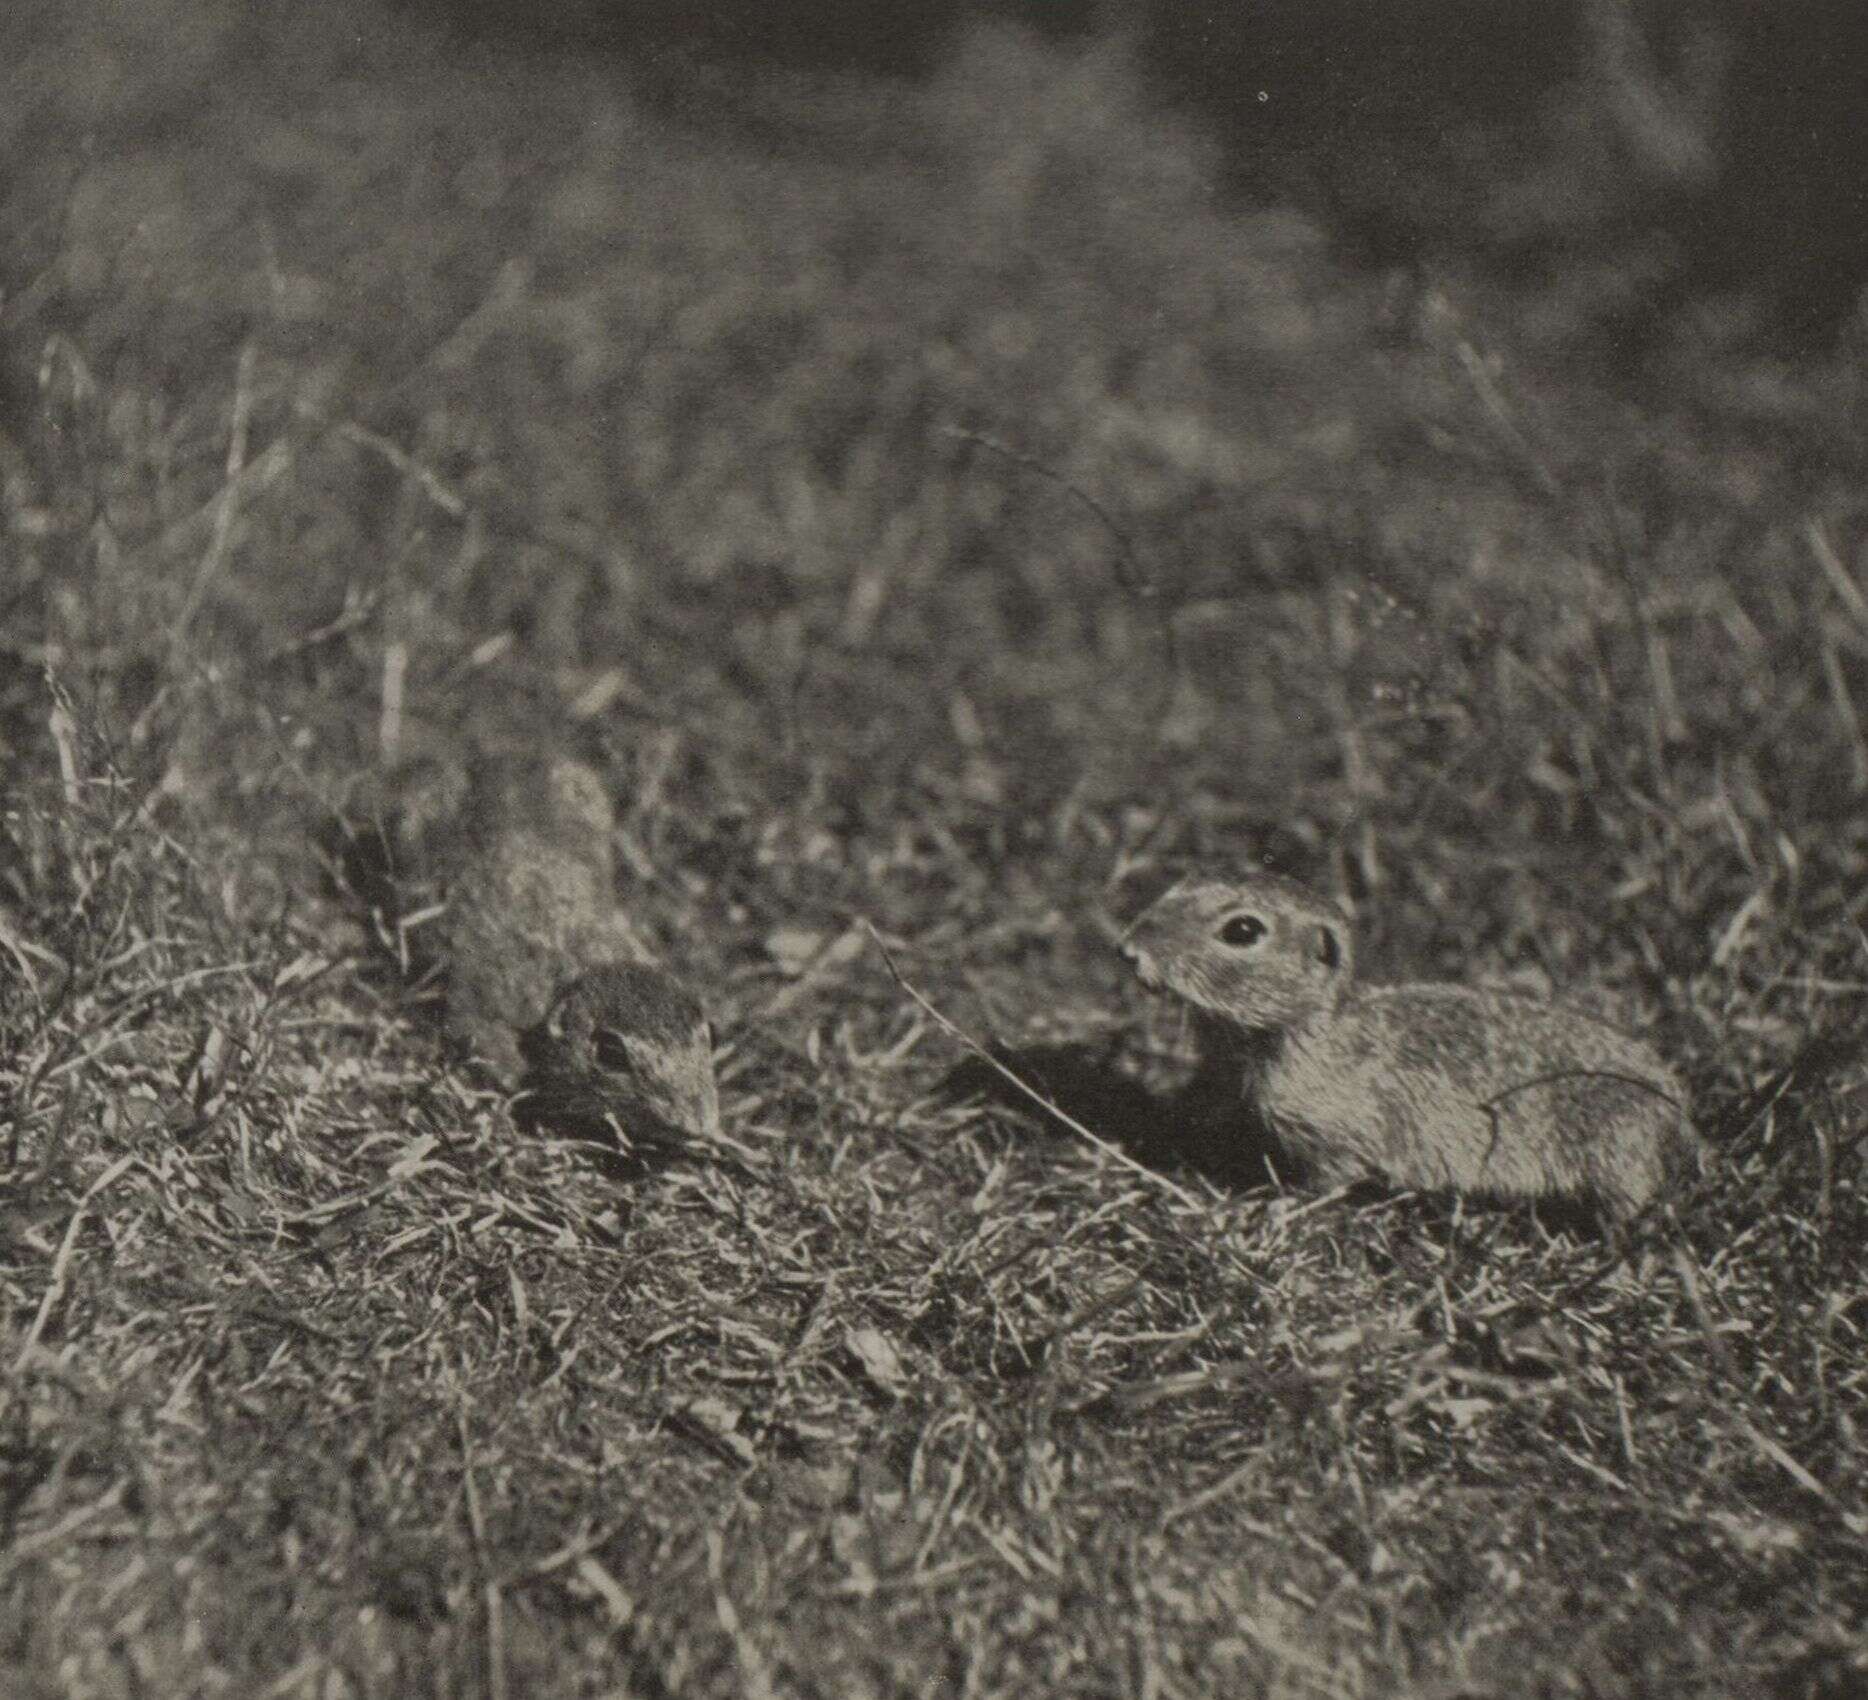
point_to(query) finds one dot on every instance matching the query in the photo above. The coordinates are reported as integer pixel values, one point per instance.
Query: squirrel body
(531, 902)
(1429, 1086)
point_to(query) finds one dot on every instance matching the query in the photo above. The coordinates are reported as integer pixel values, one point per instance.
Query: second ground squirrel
(531, 902)
(1421, 1086)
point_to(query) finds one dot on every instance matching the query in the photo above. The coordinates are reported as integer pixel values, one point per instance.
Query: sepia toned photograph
(977, 849)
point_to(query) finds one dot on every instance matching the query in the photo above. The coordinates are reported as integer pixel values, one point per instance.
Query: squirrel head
(557, 795)
(1261, 952)
(575, 796)
(625, 1045)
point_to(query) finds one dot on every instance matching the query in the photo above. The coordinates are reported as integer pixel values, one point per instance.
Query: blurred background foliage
(1080, 389)
(1711, 148)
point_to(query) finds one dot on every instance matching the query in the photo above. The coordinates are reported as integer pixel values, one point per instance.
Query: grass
(939, 514)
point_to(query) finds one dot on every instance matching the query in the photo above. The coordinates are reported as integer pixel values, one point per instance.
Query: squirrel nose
(1133, 946)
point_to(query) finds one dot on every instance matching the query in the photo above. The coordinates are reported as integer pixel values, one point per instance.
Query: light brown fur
(1422, 1086)
(531, 903)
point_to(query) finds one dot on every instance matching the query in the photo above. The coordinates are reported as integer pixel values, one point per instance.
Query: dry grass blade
(494, 1599)
(61, 1263)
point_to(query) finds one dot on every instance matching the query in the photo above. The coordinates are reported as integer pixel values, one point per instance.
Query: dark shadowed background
(1731, 129)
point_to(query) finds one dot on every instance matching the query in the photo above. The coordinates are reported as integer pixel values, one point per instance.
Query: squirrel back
(531, 902)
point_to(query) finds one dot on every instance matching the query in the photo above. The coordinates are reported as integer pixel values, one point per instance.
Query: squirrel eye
(613, 1052)
(1242, 931)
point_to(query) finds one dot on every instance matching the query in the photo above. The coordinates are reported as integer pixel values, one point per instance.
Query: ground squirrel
(1421, 1086)
(624, 1052)
(531, 901)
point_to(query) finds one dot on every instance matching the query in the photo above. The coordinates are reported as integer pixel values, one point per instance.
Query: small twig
(495, 1604)
(20, 1547)
(1846, 712)
(1112, 1151)
(1663, 715)
(1217, 1489)
(1089, 1312)
(62, 724)
(1478, 372)
(357, 610)
(1128, 570)
(1559, 1076)
(1767, 1447)
(755, 1669)
(389, 717)
(227, 501)
(432, 484)
(1132, 580)
(1848, 592)
(61, 1262)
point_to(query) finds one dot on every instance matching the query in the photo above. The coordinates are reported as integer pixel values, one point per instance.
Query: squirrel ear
(1328, 948)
